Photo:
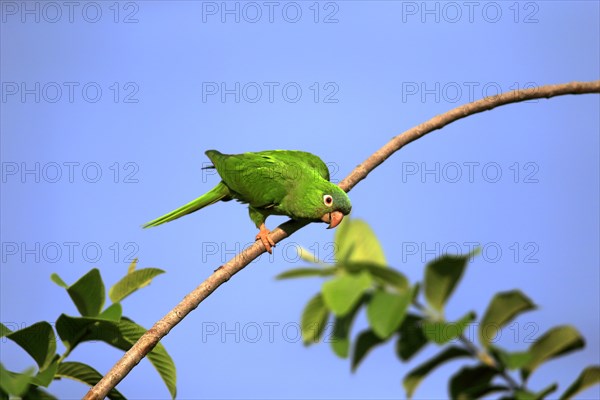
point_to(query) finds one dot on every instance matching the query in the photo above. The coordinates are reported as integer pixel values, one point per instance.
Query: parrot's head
(325, 202)
(337, 204)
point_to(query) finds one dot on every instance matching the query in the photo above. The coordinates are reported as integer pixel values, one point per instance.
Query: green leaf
(159, 357)
(88, 293)
(355, 241)
(557, 341)
(14, 383)
(38, 341)
(307, 255)
(503, 308)
(86, 374)
(521, 394)
(74, 330)
(134, 280)
(511, 360)
(588, 377)
(342, 293)
(382, 273)
(132, 266)
(305, 272)
(386, 311)
(414, 377)
(473, 383)
(58, 280)
(441, 332)
(340, 340)
(45, 376)
(4, 330)
(441, 277)
(314, 320)
(545, 392)
(365, 342)
(411, 338)
(416, 291)
(112, 313)
(36, 393)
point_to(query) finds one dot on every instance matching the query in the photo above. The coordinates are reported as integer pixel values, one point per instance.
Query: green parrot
(273, 182)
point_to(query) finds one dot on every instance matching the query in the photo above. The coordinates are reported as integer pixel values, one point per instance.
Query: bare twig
(222, 274)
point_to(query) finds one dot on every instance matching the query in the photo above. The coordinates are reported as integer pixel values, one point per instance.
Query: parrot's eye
(328, 200)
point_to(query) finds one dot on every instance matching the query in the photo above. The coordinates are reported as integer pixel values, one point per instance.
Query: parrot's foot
(263, 235)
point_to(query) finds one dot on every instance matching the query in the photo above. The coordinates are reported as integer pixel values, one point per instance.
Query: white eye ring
(328, 200)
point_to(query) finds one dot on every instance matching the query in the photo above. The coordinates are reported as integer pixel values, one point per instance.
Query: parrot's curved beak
(333, 219)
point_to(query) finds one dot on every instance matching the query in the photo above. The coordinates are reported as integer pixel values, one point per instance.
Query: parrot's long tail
(219, 192)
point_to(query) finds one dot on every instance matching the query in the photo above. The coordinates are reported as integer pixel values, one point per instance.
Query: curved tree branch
(222, 274)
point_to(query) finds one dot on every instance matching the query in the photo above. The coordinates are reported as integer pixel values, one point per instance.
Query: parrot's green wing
(219, 192)
(312, 162)
(264, 178)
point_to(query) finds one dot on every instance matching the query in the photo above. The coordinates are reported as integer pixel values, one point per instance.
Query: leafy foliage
(88, 293)
(343, 292)
(85, 374)
(38, 341)
(356, 242)
(474, 382)
(365, 342)
(314, 319)
(589, 376)
(386, 311)
(503, 308)
(441, 332)
(414, 377)
(340, 343)
(94, 324)
(362, 280)
(133, 281)
(441, 277)
(411, 338)
(557, 341)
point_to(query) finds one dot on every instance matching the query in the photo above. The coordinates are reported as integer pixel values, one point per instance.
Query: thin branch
(439, 121)
(485, 358)
(222, 274)
(480, 355)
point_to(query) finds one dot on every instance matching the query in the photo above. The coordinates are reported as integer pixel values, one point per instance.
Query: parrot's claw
(264, 237)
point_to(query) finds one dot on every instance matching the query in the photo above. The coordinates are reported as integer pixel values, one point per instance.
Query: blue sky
(107, 109)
